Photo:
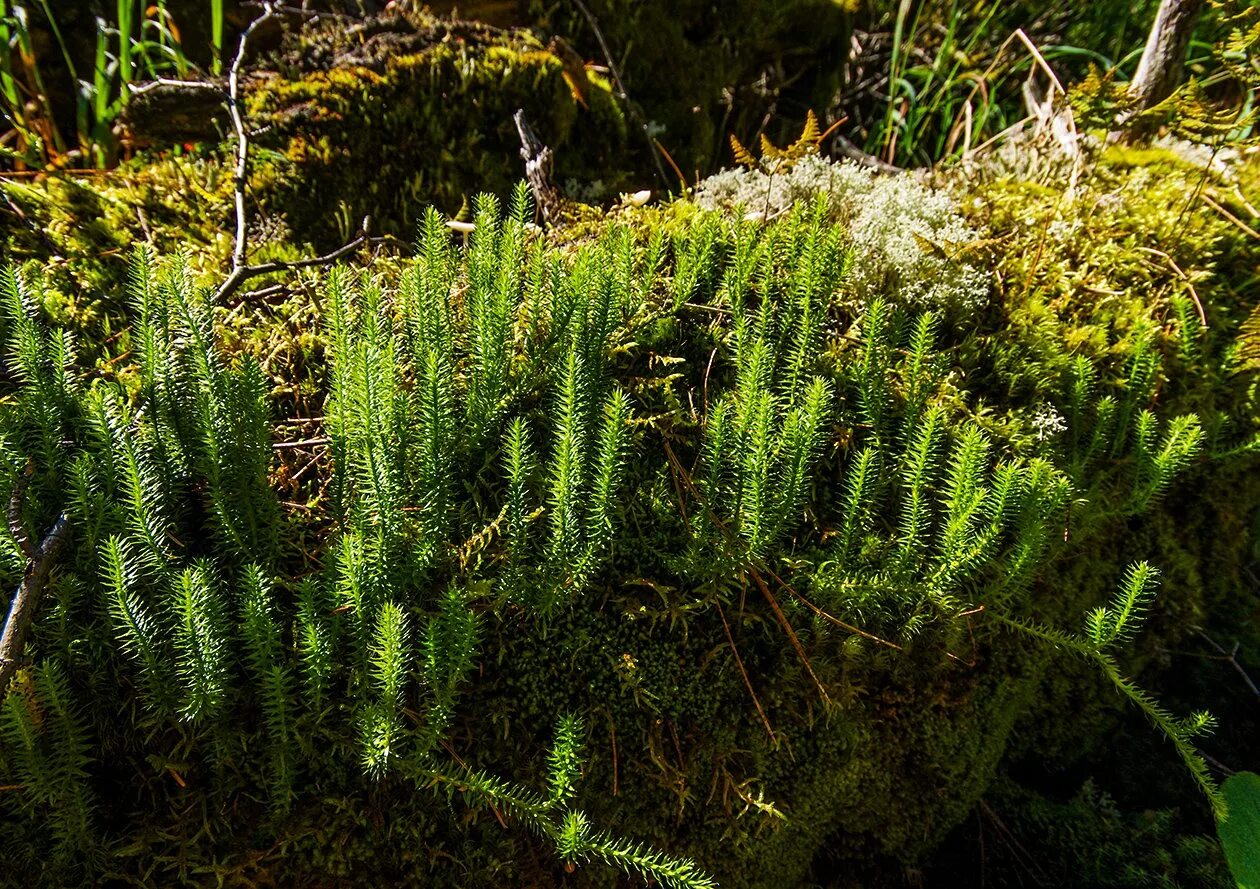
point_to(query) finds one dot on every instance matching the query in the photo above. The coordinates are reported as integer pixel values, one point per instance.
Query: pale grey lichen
(904, 233)
(1047, 423)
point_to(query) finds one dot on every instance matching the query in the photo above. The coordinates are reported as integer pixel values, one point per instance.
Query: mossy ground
(917, 738)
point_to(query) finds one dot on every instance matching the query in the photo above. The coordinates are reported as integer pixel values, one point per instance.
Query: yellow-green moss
(434, 127)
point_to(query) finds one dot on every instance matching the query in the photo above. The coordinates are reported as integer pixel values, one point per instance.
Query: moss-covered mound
(400, 113)
(405, 112)
(812, 543)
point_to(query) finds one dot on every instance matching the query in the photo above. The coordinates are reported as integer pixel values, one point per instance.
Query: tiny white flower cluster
(902, 231)
(1047, 422)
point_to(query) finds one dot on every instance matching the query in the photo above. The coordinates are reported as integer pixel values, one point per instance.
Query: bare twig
(242, 140)
(846, 147)
(1232, 658)
(141, 89)
(242, 273)
(1248, 230)
(621, 89)
(304, 443)
(739, 662)
(1198, 303)
(26, 600)
(791, 633)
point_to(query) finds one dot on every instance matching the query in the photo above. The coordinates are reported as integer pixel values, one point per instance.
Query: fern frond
(742, 155)
(1157, 468)
(859, 500)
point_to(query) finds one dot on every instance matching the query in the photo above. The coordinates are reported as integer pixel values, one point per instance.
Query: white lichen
(904, 234)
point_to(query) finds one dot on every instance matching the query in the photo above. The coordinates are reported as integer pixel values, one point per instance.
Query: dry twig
(22, 610)
(242, 272)
(621, 89)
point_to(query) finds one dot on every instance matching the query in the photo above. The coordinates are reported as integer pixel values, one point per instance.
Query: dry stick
(538, 159)
(1164, 55)
(240, 274)
(305, 443)
(831, 618)
(621, 88)
(1185, 279)
(1232, 659)
(242, 140)
(172, 82)
(25, 603)
(240, 271)
(774, 604)
(1251, 232)
(739, 662)
(791, 633)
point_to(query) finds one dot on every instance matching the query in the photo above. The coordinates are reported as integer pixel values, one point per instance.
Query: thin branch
(141, 89)
(846, 147)
(1232, 658)
(304, 443)
(739, 662)
(791, 633)
(1198, 303)
(621, 88)
(242, 273)
(1251, 232)
(26, 600)
(242, 140)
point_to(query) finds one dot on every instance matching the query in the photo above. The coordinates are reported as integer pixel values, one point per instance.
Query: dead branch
(538, 159)
(242, 273)
(1231, 658)
(846, 147)
(25, 604)
(242, 139)
(790, 633)
(739, 662)
(621, 88)
(1159, 71)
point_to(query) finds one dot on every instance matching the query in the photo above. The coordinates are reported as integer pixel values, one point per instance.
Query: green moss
(677, 756)
(431, 127)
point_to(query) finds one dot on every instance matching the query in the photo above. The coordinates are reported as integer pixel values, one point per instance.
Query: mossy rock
(419, 112)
